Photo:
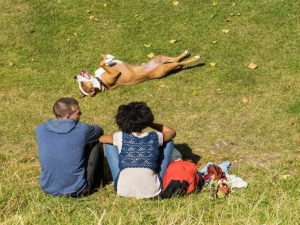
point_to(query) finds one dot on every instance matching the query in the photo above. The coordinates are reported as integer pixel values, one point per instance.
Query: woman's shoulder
(117, 134)
(159, 135)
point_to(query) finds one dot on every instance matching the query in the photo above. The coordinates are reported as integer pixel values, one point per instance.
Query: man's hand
(106, 139)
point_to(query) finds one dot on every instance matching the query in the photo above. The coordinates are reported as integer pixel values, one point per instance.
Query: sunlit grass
(45, 43)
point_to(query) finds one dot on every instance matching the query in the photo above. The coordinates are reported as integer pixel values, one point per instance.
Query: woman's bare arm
(168, 132)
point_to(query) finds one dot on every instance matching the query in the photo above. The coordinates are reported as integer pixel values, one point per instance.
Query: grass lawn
(223, 112)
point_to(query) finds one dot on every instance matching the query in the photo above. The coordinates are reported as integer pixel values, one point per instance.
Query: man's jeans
(94, 158)
(112, 156)
(94, 166)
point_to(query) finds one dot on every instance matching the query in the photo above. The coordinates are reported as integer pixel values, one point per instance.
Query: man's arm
(168, 133)
(94, 132)
(106, 139)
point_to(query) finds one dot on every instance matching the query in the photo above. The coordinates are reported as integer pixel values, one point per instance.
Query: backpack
(181, 178)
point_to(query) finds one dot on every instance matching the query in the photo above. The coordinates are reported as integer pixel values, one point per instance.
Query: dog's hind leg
(163, 69)
(167, 59)
(190, 60)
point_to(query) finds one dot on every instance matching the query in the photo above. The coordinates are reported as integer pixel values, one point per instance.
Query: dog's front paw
(108, 58)
(186, 53)
(102, 63)
(102, 56)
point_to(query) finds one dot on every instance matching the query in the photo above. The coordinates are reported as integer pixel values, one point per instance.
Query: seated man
(69, 152)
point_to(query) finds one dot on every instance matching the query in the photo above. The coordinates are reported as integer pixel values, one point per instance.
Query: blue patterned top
(139, 152)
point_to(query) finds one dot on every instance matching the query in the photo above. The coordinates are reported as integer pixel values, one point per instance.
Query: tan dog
(113, 73)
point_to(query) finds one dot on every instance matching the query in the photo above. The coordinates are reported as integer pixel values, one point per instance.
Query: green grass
(45, 43)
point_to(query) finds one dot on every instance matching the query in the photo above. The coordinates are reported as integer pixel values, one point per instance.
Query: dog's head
(86, 84)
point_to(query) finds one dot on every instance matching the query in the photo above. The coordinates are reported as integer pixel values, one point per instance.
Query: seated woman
(138, 159)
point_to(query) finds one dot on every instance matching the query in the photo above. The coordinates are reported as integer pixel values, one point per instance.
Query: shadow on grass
(187, 153)
(185, 68)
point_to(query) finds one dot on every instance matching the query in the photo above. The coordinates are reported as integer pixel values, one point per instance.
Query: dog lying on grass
(113, 73)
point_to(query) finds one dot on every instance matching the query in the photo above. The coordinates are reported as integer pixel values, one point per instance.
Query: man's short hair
(64, 106)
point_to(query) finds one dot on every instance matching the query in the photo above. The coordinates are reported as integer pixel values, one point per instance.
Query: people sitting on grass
(137, 158)
(69, 151)
(71, 157)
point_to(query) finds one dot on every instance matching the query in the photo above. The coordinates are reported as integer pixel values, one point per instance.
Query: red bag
(182, 171)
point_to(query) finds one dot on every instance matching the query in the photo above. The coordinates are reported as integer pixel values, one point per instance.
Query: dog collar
(103, 87)
(84, 76)
(83, 92)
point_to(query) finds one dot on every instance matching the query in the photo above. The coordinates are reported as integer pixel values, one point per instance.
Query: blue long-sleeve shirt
(61, 145)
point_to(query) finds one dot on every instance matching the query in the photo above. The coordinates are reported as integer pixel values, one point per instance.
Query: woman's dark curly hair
(134, 117)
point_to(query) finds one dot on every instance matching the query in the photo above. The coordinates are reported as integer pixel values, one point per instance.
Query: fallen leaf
(214, 42)
(175, 2)
(233, 4)
(285, 176)
(238, 14)
(173, 41)
(214, 4)
(11, 64)
(252, 66)
(212, 16)
(226, 31)
(92, 17)
(219, 89)
(212, 64)
(197, 149)
(222, 145)
(75, 34)
(105, 4)
(150, 55)
(245, 100)
(195, 93)
(68, 39)
(147, 45)
(96, 19)
(231, 14)
(88, 11)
